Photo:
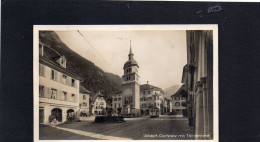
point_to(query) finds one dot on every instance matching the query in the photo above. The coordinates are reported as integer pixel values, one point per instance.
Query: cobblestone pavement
(143, 128)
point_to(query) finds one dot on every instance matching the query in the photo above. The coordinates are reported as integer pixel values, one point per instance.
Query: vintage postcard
(126, 82)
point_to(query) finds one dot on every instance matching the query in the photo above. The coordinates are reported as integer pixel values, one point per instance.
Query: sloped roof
(98, 95)
(148, 86)
(83, 90)
(181, 89)
(49, 58)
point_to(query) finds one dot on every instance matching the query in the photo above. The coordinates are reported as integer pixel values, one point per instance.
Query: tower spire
(130, 48)
(130, 52)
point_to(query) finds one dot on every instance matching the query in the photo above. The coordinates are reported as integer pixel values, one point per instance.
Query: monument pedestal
(131, 112)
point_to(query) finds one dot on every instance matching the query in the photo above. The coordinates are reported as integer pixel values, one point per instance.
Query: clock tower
(131, 86)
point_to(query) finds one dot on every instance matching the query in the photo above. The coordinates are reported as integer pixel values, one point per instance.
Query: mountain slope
(171, 90)
(95, 79)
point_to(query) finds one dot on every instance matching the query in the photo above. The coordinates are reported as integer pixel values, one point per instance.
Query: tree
(119, 110)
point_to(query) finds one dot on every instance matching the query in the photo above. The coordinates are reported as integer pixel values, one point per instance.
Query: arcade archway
(70, 114)
(56, 114)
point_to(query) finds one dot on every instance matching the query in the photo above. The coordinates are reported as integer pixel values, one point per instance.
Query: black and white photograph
(125, 82)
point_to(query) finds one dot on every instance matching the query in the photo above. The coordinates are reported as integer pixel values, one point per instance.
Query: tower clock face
(128, 92)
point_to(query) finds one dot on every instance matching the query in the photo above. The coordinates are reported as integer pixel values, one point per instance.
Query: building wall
(200, 81)
(116, 102)
(48, 101)
(180, 107)
(131, 92)
(150, 97)
(99, 105)
(84, 103)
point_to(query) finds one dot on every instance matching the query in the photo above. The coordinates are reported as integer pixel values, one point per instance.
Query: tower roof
(131, 61)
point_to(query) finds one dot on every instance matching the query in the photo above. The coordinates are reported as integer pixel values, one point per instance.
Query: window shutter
(68, 80)
(45, 92)
(68, 97)
(60, 77)
(56, 75)
(49, 93)
(75, 82)
(58, 95)
(43, 70)
(61, 96)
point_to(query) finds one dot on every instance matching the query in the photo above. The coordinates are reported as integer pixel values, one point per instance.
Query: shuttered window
(41, 70)
(73, 97)
(73, 83)
(52, 75)
(41, 91)
(46, 92)
(65, 96)
(53, 93)
(64, 79)
(68, 81)
(56, 75)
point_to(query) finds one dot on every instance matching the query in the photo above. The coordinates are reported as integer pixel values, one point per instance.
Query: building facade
(117, 102)
(131, 86)
(84, 101)
(58, 88)
(198, 77)
(99, 104)
(179, 102)
(151, 96)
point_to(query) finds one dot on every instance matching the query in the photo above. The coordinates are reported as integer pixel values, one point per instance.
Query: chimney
(147, 82)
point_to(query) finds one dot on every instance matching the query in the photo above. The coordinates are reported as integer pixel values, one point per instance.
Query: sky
(161, 55)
